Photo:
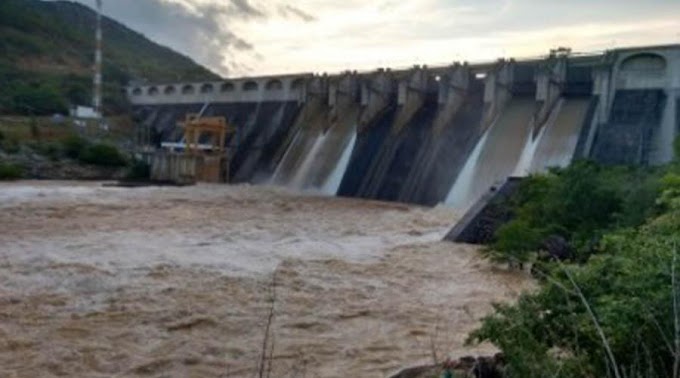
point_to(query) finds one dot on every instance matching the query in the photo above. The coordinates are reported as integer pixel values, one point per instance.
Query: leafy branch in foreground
(613, 313)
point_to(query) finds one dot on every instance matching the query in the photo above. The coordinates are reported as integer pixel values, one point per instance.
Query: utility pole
(97, 93)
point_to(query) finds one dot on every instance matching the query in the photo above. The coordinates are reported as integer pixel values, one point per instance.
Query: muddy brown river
(180, 282)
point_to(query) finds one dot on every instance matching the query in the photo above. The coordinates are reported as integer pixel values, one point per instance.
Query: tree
(40, 100)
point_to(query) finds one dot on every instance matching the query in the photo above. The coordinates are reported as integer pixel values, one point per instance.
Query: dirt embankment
(102, 282)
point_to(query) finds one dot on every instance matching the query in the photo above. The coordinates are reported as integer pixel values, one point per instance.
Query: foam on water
(188, 271)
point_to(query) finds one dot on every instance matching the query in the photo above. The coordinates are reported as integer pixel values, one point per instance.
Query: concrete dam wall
(429, 135)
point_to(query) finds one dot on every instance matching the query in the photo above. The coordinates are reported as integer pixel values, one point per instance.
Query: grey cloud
(244, 8)
(289, 10)
(201, 33)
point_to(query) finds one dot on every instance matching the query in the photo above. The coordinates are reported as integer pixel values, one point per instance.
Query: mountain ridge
(47, 54)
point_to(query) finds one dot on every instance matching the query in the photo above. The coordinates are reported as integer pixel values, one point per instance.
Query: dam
(430, 135)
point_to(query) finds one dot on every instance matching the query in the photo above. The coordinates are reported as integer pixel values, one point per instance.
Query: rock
(484, 218)
(419, 371)
(467, 367)
(558, 248)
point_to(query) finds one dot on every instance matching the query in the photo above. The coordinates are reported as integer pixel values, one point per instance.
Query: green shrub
(10, 172)
(102, 155)
(622, 299)
(10, 145)
(629, 286)
(139, 170)
(35, 130)
(2, 136)
(579, 203)
(52, 151)
(74, 146)
(49, 150)
(676, 148)
(38, 100)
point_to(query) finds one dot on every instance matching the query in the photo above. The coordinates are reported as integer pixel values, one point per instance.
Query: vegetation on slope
(10, 172)
(38, 148)
(578, 204)
(612, 309)
(47, 54)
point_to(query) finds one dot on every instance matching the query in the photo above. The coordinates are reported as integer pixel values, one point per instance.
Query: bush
(10, 145)
(10, 171)
(622, 299)
(629, 287)
(49, 150)
(579, 204)
(35, 130)
(139, 170)
(32, 100)
(102, 155)
(74, 146)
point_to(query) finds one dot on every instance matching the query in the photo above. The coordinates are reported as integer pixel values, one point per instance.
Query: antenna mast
(97, 93)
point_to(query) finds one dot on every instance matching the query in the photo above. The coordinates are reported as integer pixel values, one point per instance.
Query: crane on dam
(201, 156)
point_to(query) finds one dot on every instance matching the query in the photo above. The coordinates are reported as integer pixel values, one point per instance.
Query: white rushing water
(459, 195)
(276, 178)
(333, 182)
(556, 147)
(528, 154)
(302, 172)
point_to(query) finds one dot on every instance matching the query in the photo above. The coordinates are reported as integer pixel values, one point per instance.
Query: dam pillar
(414, 87)
(550, 79)
(453, 87)
(602, 88)
(377, 90)
(317, 89)
(301, 92)
(411, 93)
(343, 89)
(497, 91)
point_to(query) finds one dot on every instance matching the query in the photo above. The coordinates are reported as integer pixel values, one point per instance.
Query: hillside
(46, 57)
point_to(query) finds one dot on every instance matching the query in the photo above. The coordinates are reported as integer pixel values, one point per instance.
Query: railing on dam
(256, 89)
(628, 65)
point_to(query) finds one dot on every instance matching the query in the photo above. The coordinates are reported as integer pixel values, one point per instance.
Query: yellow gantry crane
(205, 139)
(201, 156)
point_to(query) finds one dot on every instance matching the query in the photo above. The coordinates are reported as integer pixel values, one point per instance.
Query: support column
(376, 92)
(453, 87)
(497, 91)
(411, 94)
(318, 88)
(550, 79)
(603, 89)
(343, 92)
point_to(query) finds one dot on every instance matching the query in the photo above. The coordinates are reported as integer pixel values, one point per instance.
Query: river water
(177, 282)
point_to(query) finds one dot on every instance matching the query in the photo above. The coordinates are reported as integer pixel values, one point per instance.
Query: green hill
(47, 54)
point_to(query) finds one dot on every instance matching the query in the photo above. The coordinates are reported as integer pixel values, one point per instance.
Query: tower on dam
(434, 134)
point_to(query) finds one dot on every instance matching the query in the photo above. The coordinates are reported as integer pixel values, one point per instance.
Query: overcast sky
(257, 37)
